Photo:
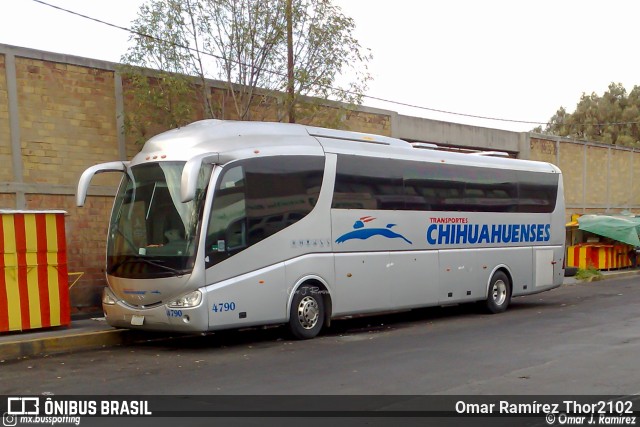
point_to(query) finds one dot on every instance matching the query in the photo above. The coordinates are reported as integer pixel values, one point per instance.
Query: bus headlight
(107, 297)
(189, 300)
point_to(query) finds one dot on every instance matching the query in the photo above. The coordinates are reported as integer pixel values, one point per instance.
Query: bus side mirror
(87, 175)
(189, 179)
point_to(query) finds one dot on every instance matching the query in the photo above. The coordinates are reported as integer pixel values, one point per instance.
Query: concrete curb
(606, 275)
(61, 344)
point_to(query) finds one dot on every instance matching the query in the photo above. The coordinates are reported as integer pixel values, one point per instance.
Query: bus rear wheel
(499, 293)
(306, 316)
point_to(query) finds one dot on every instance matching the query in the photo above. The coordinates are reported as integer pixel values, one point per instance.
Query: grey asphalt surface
(578, 339)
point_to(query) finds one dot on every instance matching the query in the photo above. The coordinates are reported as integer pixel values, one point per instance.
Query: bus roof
(233, 140)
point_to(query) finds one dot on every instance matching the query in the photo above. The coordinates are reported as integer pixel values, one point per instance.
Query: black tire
(306, 316)
(570, 271)
(499, 295)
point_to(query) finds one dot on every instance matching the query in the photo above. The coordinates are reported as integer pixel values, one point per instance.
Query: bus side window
(226, 232)
(281, 190)
(257, 198)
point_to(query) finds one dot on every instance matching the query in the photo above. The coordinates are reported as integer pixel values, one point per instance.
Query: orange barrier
(599, 256)
(34, 289)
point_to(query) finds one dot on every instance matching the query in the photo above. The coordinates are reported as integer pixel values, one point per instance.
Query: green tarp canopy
(621, 228)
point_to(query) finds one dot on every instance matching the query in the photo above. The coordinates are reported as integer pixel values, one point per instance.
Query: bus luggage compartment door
(544, 267)
(414, 279)
(460, 277)
(362, 282)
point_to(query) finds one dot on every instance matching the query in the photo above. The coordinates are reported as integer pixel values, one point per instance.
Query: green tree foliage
(613, 118)
(242, 43)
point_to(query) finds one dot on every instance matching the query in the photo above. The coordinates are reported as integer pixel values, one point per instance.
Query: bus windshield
(152, 233)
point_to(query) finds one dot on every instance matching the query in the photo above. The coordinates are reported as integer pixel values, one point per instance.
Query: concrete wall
(458, 135)
(598, 178)
(60, 114)
(6, 172)
(57, 117)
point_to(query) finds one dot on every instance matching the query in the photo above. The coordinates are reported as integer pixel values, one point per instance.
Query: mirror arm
(87, 175)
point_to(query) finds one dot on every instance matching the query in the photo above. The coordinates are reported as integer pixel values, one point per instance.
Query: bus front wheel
(499, 293)
(306, 317)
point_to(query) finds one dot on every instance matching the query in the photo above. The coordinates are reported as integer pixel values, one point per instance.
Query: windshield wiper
(153, 262)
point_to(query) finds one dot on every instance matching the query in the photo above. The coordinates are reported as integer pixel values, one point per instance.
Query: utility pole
(290, 85)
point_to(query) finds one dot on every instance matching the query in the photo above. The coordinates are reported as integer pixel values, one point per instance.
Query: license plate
(137, 320)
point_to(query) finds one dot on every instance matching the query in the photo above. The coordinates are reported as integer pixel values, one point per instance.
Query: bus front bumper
(157, 318)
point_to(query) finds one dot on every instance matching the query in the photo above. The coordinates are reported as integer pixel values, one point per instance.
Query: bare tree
(244, 44)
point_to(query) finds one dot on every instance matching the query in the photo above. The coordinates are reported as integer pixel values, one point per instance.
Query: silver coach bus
(224, 224)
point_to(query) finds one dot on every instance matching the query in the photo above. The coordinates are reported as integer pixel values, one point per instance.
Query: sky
(506, 59)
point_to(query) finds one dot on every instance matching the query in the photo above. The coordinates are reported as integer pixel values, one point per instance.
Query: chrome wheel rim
(499, 292)
(308, 312)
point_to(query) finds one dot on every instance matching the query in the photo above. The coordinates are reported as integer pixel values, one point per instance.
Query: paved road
(580, 339)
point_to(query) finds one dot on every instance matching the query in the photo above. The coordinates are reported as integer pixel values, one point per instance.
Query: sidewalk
(80, 335)
(96, 333)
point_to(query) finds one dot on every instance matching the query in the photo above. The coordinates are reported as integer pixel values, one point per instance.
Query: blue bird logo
(362, 233)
